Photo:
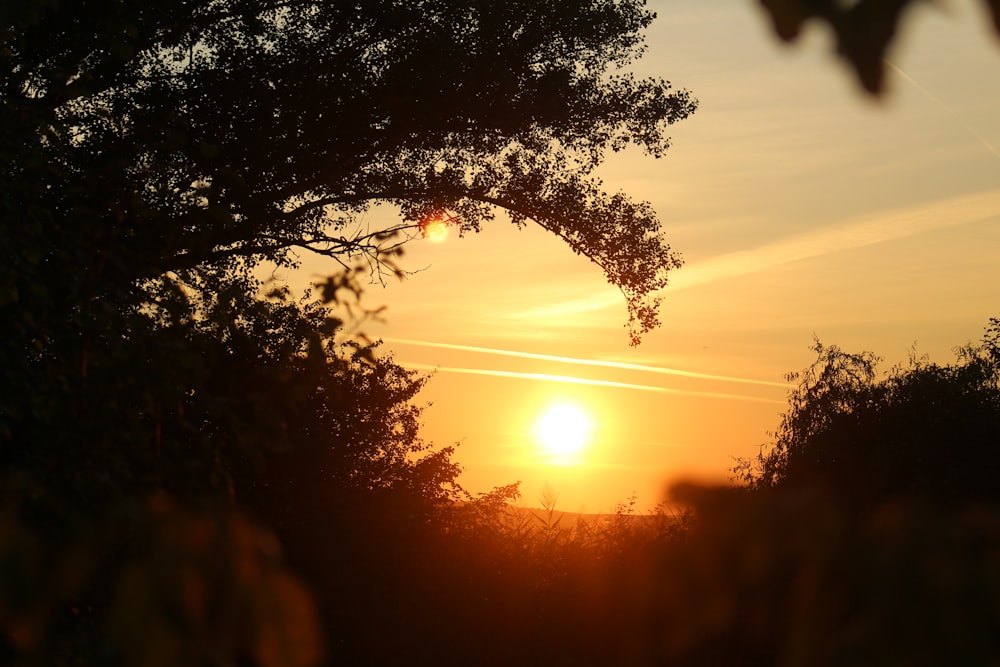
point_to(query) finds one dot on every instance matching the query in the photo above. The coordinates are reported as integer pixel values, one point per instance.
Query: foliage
(154, 157)
(236, 397)
(151, 583)
(876, 501)
(784, 576)
(747, 577)
(144, 138)
(488, 584)
(922, 429)
(201, 385)
(864, 31)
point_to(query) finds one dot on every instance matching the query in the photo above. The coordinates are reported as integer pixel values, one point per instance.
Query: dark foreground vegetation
(201, 468)
(867, 533)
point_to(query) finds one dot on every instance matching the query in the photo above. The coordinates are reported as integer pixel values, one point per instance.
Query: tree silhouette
(164, 138)
(923, 430)
(152, 157)
(875, 502)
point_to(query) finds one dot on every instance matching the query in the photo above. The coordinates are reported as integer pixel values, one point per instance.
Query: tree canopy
(167, 137)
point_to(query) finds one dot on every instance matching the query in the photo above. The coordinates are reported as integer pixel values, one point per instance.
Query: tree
(207, 397)
(864, 31)
(154, 155)
(194, 140)
(922, 431)
(191, 133)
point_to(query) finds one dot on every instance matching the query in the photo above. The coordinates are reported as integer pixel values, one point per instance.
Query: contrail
(941, 103)
(586, 362)
(857, 233)
(567, 379)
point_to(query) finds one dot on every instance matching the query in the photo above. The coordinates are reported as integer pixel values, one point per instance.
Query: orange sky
(800, 208)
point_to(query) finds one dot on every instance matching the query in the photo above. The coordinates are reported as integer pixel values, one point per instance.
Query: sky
(802, 209)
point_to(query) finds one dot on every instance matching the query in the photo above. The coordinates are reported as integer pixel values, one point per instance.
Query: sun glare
(435, 230)
(563, 433)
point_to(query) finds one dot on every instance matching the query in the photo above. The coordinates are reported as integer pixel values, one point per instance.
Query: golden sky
(801, 209)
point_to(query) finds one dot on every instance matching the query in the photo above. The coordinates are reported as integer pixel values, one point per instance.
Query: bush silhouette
(921, 430)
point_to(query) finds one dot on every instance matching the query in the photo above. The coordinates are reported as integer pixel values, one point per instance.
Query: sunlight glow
(563, 433)
(435, 229)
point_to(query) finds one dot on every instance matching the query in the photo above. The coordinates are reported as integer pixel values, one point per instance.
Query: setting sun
(563, 433)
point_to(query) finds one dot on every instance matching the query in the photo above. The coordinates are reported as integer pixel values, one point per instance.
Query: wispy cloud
(567, 379)
(856, 233)
(950, 111)
(860, 232)
(617, 365)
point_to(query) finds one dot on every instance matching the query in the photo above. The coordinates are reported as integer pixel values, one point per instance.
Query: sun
(435, 229)
(563, 433)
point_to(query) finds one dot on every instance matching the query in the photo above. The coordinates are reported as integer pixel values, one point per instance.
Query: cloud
(859, 232)
(584, 381)
(617, 365)
(950, 111)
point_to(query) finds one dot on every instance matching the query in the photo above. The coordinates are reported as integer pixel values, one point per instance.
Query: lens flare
(435, 229)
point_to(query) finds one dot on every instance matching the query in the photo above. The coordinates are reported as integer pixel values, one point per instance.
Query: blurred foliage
(743, 577)
(204, 587)
(152, 583)
(786, 577)
(485, 583)
(864, 31)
